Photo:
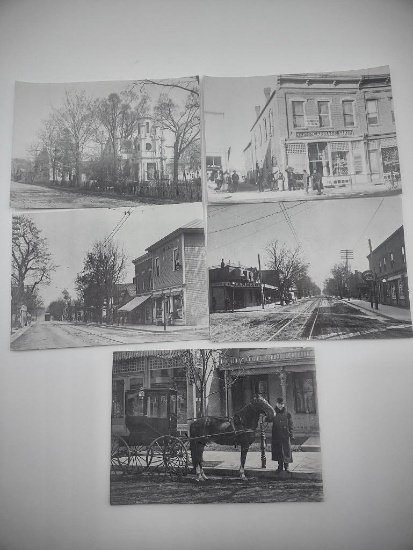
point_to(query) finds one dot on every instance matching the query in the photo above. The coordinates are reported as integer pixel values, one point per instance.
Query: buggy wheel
(119, 456)
(167, 457)
(137, 463)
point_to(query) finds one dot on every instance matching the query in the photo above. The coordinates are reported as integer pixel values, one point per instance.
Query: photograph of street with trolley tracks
(106, 144)
(93, 277)
(303, 136)
(308, 270)
(215, 425)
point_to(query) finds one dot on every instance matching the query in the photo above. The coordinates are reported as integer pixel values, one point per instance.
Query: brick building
(388, 263)
(170, 280)
(340, 125)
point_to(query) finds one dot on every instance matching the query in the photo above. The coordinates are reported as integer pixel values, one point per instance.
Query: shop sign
(325, 133)
(368, 276)
(238, 284)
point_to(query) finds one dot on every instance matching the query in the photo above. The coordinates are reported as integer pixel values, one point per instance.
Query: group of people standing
(227, 182)
(275, 180)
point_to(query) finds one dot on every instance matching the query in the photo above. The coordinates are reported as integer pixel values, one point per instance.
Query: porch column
(283, 381)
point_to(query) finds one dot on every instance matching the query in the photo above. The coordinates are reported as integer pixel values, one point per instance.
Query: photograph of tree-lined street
(86, 278)
(102, 144)
(308, 270)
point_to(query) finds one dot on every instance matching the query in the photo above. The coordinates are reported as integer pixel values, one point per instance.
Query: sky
(71, 233)
(229, 113)
(33, 103)
(238, 233)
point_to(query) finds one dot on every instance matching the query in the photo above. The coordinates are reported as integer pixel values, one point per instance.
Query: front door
(318, 158)
(150, 170)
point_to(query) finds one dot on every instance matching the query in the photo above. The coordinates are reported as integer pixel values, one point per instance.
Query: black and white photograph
(195, 426)
(301, 136)
(308, 270)
(95, 277)
(104, 144)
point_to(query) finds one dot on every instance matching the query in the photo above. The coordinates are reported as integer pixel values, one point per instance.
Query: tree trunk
(176, 162)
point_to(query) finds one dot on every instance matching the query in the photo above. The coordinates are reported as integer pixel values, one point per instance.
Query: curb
(264, 473)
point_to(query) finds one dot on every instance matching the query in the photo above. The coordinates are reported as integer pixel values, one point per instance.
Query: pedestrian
(291, 180)
(235, 181)
(305, 180)
(317, 182)
(227, 303)
(281, 180)
(282, 434)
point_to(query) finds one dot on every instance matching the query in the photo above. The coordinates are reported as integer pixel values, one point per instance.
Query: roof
(195, 226)
(398, 230)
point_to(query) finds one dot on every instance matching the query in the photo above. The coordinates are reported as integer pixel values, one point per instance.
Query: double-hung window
(298, 114)
(372, 111)
(157, 267)
(348, 113)
(324, 114)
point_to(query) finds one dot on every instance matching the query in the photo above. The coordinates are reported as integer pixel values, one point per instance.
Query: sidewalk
(359, 189)
(306, 463)
(389, 312)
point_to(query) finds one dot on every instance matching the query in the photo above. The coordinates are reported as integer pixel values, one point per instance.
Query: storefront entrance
(318, 158)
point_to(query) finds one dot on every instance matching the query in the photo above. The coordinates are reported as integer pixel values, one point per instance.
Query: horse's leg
(197, 451)
(244, 452)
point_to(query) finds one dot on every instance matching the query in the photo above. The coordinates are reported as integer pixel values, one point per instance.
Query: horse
(240, 430)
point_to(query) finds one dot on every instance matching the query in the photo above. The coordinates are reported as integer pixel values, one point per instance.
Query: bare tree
(77, 119)
(337, 284)
(50, 136)
(31, 260)
(288, 267)
(119, 117)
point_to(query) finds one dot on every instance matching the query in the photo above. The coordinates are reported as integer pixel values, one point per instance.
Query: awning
(134, 303)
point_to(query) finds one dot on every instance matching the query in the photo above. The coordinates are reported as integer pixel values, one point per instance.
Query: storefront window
(134, 403)
(393, 290)
(118, 409)
(340, 163)
(401, 289)
(304, 392)
(159, 308)
(298, 114)
(177, 307)
(390, 156)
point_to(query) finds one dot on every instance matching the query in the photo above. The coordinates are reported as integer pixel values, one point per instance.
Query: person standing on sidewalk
(282, 434)
(306, 177)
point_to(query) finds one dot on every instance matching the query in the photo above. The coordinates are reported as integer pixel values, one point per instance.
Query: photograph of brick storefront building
(288, 372)
(340, 125)
(171, 281)
(388, 264)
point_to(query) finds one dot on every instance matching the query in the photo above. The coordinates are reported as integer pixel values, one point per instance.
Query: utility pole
(261, 286)
(375, 293)
(347, 255)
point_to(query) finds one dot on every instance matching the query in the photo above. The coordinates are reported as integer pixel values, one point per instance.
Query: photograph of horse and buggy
(215, 425)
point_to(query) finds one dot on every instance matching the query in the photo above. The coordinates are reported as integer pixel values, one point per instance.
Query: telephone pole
(347, 255)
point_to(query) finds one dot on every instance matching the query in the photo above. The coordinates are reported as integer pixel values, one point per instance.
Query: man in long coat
(282, 433)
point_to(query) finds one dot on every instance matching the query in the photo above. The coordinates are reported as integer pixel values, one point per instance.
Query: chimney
(257, 110)
(267, 93)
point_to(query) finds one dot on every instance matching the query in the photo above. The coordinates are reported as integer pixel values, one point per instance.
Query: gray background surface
(55, 405)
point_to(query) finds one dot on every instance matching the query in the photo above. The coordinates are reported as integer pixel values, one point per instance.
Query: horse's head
(263, 407)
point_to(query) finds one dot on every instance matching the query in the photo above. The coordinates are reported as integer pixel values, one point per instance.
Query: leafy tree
(103, 268)
(288, 265)
(31, 260)
(56, 309)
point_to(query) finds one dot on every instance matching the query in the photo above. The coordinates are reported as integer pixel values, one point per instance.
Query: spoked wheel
(167, 457)
(137, 463)
(119, 456)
